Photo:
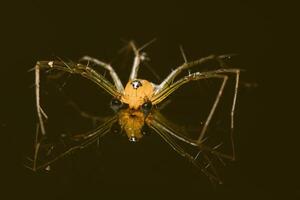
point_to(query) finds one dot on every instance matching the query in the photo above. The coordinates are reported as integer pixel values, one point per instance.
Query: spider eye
(136, 84)
(116, 104)
(146, 107)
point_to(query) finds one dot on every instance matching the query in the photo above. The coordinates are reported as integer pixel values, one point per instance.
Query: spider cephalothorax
(138, 92)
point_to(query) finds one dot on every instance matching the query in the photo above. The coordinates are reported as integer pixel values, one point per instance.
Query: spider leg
(232, 112)
(108, 67)
(71, 68)
(81, 70)
(92, 117)
(236, 87)
(160, 96)
(183, 54)
(37, 99)
(186, 65)
(84, 114)
(212, 110)
(203, 167)
(160, 122)
(43, 157)
(206, 75)
(137, 58)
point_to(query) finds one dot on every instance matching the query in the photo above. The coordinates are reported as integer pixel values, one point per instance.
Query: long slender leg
(163, 124)
(206, 75)
(160, 96)
(136, 62)
(137, 58)
(212, 111)
(193, 159)
(87, 115)
(237, 78)
(183, 54)
(42, 160)
(36, 146)
(84, 114)
(231, 112)
(71, 68)
(169, 79)
(37, 98)
(81, 70)
(108, 67)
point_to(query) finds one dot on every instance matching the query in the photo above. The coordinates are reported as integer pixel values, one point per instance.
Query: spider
(135, 107)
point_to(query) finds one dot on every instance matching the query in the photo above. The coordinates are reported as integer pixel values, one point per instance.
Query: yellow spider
(134, 106)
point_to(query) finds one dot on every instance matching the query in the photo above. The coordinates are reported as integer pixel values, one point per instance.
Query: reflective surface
(36, 31)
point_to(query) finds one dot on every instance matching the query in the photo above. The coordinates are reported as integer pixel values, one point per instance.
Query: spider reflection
(136, 106)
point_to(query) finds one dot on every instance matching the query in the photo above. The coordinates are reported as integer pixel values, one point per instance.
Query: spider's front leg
(138, 57)
(108, 67)
(186, 65)
(71, 68)
(43, 152)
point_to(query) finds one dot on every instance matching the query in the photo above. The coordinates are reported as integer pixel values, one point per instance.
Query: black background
(260, 32)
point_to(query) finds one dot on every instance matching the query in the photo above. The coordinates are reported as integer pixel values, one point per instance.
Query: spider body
(137, 92)
(140, 95)
(137, 95)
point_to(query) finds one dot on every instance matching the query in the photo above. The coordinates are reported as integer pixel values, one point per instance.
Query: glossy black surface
(258, 32)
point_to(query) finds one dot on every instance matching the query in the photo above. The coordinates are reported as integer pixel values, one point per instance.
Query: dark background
(263, 35)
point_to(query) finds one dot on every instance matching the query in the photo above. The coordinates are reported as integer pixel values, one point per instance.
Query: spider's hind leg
(219, 74)
(205, 164)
